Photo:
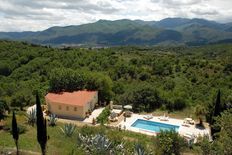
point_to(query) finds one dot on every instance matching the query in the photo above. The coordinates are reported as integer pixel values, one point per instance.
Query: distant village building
(71, 104)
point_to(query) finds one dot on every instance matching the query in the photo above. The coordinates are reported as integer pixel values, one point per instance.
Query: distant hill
(130, 32)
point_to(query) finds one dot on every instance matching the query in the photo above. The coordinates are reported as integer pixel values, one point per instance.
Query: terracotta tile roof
(79, 98)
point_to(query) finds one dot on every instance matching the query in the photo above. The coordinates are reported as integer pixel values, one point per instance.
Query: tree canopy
(182, 76)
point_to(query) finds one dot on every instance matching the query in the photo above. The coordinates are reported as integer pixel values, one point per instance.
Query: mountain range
(130, 32)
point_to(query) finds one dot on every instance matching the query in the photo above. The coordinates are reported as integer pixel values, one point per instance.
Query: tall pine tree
(15, 131)
(41, 126)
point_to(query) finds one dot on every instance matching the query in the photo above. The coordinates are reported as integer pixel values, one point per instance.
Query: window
(75, 108)
(67, 108)
(60, 107)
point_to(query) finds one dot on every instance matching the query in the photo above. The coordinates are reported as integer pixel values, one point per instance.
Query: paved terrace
(182, 129)
(94, 115)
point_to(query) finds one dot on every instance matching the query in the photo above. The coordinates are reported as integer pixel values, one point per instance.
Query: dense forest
(148, 77)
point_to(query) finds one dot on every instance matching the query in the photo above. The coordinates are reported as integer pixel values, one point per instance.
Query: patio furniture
(117, 111)
(113, 119)
(185, 124)
(164, 118)
(128, 107)
(148, 117)
(127, 114)
(189, 121)
(113, 114)
(192, 122)
(189, 135)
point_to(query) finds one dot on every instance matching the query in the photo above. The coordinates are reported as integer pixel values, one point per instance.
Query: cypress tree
(15, 131)
(41, 126)
(217, 111)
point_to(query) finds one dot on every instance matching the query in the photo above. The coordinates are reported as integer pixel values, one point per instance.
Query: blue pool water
(153, 126)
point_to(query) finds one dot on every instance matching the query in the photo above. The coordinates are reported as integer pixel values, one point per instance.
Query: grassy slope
(58, 144)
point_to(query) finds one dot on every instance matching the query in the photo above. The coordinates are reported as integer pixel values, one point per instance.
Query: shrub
(139, 150)
(86, 130)
(169, 142)
(52, 120)
(143, 76)
(103, 117)
(99, 144)
(21, 129)
(68, 129)
(31, 117)
(3, 108)
(169, 85)
(205, 145)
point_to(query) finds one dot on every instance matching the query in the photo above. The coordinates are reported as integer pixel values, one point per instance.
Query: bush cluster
(103, 117)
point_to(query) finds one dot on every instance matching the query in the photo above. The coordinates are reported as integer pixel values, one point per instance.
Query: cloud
(205, 11)
(19, 15)
(177, 2)
(183, 2)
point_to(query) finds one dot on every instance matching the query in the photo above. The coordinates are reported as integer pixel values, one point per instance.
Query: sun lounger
(189, 121)
(189, 135)
(148, 117)
(164, 118)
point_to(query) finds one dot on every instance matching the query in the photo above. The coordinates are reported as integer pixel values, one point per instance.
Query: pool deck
(183, 130)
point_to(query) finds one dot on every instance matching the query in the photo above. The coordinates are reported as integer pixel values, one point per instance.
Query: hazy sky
(32, 15)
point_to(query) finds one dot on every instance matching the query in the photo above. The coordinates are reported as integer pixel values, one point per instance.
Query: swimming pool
(153, 126)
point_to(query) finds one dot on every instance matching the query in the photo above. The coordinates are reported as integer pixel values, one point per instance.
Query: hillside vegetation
(175, 77)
